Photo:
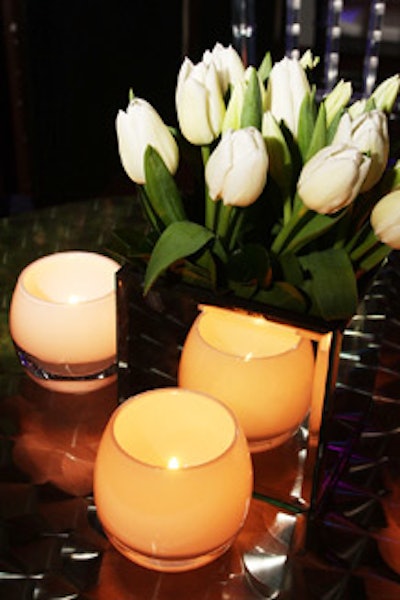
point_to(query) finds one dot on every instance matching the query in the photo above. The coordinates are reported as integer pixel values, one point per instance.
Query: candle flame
(73, 299)
(173, 463)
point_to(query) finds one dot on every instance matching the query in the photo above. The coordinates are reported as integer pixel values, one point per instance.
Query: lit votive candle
(63, 320)
(173, 479)
(262, 370)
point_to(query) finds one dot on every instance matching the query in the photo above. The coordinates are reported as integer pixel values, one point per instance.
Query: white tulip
(384, 97)
(199, 102)
(385, 219)
(386, 93)
(308, 60)
(228, 64)
(236, 171)
(286, 89)
(357, 108)
(369, 133)
(337, 99)
(137, 128)
(332, 178)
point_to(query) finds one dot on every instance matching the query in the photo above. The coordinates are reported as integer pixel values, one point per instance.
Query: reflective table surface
(51, 543)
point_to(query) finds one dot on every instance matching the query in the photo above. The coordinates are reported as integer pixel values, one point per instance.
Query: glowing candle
(262, 370)
(63, 320)
(173, 479)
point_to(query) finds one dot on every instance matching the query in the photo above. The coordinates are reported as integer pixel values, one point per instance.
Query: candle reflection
(58, 434)
(262, 370)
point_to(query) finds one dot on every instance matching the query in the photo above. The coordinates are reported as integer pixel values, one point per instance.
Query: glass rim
(50, 258)
(177, 390)
(244, 357)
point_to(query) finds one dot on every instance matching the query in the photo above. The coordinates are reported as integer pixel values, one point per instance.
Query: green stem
(284, 234)
(210, 205)
(342, 229)
(375, 257)
(368, 244)
(236, 223)
(225, 216)
(287, 209)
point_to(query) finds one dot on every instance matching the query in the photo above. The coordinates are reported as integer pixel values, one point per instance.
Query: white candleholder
(173, 479)
(63, 321)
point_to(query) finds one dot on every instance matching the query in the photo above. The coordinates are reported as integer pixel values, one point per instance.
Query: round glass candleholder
(260, 369)
(63, 321)
(173, 479)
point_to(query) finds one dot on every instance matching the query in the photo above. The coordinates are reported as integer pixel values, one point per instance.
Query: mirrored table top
(51, 543)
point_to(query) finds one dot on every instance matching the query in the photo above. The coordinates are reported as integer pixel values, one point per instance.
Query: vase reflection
(262, 370)
(152, 332)
(389, 537)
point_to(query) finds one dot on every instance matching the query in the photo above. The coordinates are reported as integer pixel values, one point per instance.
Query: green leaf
(319, 134)
(249, 263)
(330, 134)
(332, 285)
(374, 258)
(151, 216)
(307, 118)
(252, 109)
(243, 290)
(313, 225)
(179, 240)
(283, 295)
(202, 273)
(265, 68)
(161, 189)
(291, 268)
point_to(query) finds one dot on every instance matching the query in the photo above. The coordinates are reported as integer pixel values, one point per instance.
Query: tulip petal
(385, 219)
(137, 128)
(237, 169)
(131, 160)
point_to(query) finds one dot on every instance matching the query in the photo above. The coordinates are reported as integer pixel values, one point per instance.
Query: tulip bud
(357, 108)
(385, 219)
(228, 64)
(308, 60)
(234, 110)
(235, 105)
(337, 99)
(287, 86)
(141, 126)
(199, 102)
(386, 93)
(237, 169)
(332, 178)
(369, 133)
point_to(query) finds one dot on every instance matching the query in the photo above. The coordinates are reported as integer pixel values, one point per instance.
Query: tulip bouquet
(265, 189)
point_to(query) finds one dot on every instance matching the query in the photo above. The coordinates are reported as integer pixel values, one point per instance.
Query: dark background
(67, 67)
